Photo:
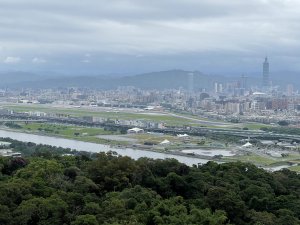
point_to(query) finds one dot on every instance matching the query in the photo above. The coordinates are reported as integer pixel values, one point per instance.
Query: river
(92, 147)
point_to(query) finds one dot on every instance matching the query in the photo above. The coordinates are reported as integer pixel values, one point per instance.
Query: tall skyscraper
(266, 81)
(216, 87)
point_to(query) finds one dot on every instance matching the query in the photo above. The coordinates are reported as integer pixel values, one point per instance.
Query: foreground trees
(53, 189)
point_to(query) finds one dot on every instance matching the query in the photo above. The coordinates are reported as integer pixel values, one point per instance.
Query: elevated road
(21, 120)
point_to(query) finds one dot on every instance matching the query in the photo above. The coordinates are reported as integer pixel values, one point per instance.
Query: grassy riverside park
(254, 158)
(114, 138)
(172, 119)
(256, 126)
(98, 135)
(168, 119)
(259, 160)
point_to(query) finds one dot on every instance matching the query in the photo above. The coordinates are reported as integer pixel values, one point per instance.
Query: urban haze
(128, 112)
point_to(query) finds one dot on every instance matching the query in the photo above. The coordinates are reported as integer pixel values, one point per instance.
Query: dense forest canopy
(46, 187)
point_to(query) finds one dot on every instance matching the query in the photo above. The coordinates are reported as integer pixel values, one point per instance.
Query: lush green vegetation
(29, 149)
(283, 123)
(282, 130)
(254, 158)
(12, 125)
(66, 131)
(256, 126)
(48, 188)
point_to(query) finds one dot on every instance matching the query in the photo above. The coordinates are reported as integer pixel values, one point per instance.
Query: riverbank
(117, 147)
(138, 151)
(71, 132)
(93, 147)
(148, 142)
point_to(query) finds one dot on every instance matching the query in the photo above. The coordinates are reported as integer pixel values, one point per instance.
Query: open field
(101, 136)
(176, 141)
(169, 119)
(253, 158)
(155, 139)
(65, 130)
(264, 161)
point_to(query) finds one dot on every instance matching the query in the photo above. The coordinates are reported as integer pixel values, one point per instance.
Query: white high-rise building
(220, 88)
(216, 87)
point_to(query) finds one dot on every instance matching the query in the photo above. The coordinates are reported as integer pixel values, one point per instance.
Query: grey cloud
(37, 60)
(12, 60)
(67, 30)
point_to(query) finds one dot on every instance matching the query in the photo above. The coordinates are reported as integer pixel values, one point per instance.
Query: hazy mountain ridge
(18, 76)
(153, 80)
(157, 80)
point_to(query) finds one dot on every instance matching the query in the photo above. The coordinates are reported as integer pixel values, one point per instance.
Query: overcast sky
(133, 36)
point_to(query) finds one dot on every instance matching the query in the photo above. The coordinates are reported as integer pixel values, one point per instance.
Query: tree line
(47, 187)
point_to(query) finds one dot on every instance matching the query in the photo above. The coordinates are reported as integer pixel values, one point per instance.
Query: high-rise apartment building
(289, 89)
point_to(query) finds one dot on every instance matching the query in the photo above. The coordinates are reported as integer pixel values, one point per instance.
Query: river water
(92, 147)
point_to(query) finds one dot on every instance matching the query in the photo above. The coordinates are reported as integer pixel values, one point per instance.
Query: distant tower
(244, 81)
(266, 81)
(191, 83)
(220, 88)
(290, 89)
(216, 87)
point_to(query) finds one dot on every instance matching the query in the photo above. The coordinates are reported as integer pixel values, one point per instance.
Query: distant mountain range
(154, 80)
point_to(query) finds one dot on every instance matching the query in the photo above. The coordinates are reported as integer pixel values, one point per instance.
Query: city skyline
(149, 112)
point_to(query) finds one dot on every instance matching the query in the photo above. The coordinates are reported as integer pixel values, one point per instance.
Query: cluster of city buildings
(229, 100)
